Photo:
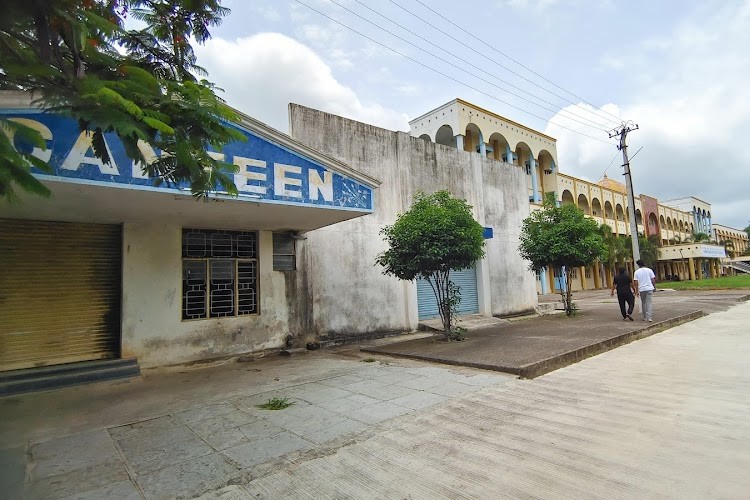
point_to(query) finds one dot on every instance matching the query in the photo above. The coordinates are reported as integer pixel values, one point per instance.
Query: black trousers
(622, 298)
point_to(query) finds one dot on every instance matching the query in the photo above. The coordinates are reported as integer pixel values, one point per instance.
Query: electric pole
(622, 133)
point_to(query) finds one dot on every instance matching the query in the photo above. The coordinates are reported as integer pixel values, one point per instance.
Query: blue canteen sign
(268, 172)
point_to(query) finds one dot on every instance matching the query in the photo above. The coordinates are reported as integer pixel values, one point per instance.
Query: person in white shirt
(645, 285)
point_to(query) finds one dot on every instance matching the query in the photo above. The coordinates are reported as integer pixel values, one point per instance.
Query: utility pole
(622, 133)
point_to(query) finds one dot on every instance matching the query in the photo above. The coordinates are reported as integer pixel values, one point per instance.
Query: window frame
(236, 261)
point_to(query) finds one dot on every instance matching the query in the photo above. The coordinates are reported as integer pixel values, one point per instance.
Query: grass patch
(369, 360)
(276, 404)
(741, 281)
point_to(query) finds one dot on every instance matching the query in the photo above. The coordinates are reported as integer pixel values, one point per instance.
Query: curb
(538, 368)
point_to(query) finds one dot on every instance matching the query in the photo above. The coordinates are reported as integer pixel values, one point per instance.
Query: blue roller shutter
(466, 280)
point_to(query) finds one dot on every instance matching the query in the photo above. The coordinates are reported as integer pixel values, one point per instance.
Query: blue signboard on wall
(268, 172)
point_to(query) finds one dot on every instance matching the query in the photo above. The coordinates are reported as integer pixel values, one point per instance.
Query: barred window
(219, 273)
(284, 256)
(574, 273)
(588, 273)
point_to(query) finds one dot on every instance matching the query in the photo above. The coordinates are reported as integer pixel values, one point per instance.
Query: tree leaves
(138, 84)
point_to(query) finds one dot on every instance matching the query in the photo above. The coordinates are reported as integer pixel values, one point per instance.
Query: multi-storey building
(682, 226)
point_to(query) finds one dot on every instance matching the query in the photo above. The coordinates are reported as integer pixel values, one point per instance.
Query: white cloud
(689, 96)
(261, 74)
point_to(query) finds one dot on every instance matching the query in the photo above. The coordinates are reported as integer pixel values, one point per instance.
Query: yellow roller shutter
(59, 292)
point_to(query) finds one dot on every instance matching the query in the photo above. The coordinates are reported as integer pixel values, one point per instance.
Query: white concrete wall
(152, 326)
(351, 295)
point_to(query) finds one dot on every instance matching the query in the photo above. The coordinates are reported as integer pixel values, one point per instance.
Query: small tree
(436, 235)
(561, 237)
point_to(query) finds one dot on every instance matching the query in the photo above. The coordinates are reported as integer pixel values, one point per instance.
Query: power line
(595, 125)
(617, 118)
(445, 74)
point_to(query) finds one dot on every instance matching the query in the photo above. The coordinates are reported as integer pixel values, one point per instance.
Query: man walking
(625, 289)
(645, 284)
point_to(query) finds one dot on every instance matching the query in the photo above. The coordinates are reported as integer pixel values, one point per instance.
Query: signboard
(713, 251)
(268, 172)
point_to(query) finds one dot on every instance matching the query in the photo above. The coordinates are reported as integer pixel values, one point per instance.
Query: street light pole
(622, 132)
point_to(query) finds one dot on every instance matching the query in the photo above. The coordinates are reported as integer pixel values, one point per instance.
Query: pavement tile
(231, 492)
(63, 455)
(419, 400)
(123, 490)
(365, 384)
(262, 450)
(385, 393)
(349, 403)
(222, 431)
(342, 381)
(452, 389)
(420, 383)
(250, 404)
(343, 428)
(163, 443)
(260, 429)
(308, 427)
(13, 471)
(317, 393)
(189, 478)
(376, 413)
(204, 412)
(85, 479)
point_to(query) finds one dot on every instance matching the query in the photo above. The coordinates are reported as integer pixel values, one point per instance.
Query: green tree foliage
(615, 251)
(649, 248)
(700, 237)
(76, 58)
(436, 235)
(561, 237)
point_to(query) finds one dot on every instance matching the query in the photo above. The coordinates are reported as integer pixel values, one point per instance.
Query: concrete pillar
(534, 180)
(712, 267)
(551, 276)
(582, 270)
(460, 142)
(691, 268)
(509, 155)
(545, 283)
(597, 280)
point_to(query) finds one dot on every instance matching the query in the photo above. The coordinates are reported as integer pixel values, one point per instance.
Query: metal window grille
(574, 273)
(219, 273)
(588, 273)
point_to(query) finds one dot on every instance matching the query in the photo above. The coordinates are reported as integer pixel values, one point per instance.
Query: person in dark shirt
(625, 288)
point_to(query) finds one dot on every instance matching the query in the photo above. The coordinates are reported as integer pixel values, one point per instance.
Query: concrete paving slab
(260, 429)
(13, 471)
(79, 480)
(71, 453)
(349, 403)
(382, 392)
(152, 445)
(536, 346)
(316, 393)
(343, 428)
(123, 490)
(376, 413)
(190, 478)
(262, 450)
(419, 400)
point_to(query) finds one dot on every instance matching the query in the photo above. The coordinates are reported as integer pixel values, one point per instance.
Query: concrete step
(53, 377)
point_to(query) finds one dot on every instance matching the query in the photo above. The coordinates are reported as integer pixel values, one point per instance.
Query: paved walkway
(668, 416)
(533, 347)
(664, 417)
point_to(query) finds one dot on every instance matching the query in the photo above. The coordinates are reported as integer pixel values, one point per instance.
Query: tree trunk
(568, 292)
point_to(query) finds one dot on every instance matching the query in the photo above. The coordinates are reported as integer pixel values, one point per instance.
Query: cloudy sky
(680, 70)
